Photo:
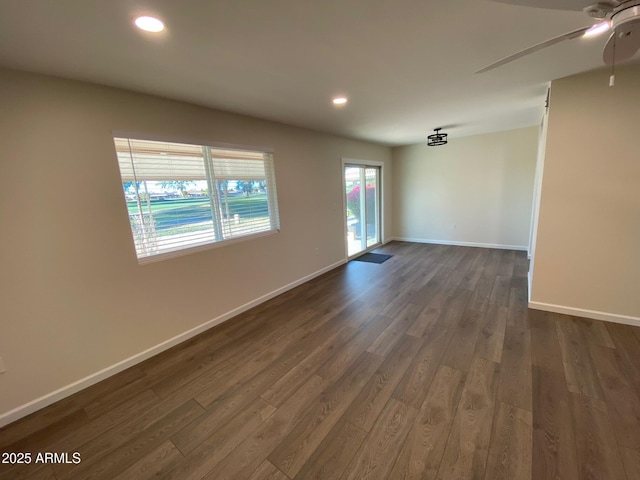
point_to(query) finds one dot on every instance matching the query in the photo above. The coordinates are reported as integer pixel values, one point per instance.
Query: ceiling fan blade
(627, 43)
(535, 48)
(573, 5)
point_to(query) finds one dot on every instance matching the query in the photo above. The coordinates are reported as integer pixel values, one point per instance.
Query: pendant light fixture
(437, 138)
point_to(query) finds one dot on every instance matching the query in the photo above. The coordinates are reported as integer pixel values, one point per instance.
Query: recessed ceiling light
(339, 100)
(149, 24)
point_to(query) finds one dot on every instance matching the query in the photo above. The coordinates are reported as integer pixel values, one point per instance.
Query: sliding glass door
(362, 190)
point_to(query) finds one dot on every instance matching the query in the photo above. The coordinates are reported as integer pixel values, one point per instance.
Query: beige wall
(587, 254)
(483, 184)
(74, 299)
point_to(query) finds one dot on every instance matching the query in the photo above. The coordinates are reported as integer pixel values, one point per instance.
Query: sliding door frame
(351, 162)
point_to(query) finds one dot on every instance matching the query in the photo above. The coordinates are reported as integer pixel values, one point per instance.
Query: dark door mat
(373, 258)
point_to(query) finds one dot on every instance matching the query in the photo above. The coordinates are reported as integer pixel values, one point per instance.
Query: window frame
(272, 198)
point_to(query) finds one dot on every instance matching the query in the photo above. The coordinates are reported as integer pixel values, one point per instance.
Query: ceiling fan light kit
(624, 40)
(437, 139)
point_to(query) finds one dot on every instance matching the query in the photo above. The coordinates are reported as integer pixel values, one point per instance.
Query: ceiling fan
(622, 17)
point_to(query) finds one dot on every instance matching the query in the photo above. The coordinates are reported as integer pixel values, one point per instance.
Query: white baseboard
(462, 244)
(580, 312)
(50, 398)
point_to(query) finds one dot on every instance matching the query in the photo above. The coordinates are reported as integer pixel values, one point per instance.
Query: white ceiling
(406, 65)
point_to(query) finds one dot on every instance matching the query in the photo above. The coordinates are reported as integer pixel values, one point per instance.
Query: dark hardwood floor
(428, 366)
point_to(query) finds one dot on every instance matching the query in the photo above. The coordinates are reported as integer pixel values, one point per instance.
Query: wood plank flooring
(428, 366)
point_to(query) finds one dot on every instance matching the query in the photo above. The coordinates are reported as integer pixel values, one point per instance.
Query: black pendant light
(437, 138)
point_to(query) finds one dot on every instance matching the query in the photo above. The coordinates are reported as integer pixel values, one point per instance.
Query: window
(183, 196)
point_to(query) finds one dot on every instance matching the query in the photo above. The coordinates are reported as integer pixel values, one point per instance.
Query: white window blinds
(184, 196)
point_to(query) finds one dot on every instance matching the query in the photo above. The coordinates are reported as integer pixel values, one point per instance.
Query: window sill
(201, 248)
